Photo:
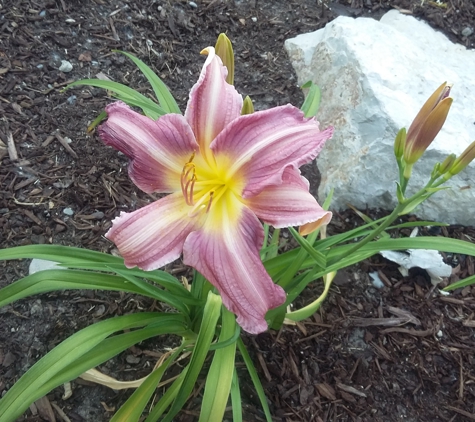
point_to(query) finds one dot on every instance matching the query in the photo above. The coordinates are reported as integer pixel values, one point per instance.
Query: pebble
(68, 211)
(71, 100)
(70, 20)
(43, 13)
(376, 280)
(132, 359)
(193, 4)
(467, 31)
(254, 19)
(98, 215)
(39, 66)
(65, 66)
(37, 265)
(55, 60)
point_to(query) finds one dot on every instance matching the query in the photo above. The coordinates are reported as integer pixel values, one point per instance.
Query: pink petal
(213, 102)
(228, 256)
(158, 149)
(288, 204)
(154, 235)
(260, 145)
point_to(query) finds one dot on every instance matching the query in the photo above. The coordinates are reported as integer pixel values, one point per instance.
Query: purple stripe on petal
(226, 252)
(213, 102)
(288, 204)
(158, 149)
(153, 235)
(262, 144)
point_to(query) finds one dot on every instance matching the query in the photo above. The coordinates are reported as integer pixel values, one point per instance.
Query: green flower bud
(463, 161)
(247, 106)
(445, 166)
(399, 143)
(224, 49)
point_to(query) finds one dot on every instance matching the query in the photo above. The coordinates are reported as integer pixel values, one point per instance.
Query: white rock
(68, 211)
(376, 280)
(374, 77)
(429, 260)
(65, 66)
(37, 265)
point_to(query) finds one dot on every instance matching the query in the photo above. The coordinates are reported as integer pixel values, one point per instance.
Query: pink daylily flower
(224, 172)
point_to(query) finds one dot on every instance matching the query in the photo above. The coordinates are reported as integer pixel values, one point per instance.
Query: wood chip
(326, 391)
(32, 217)
(415, 333)
(471, 416)
(65, 144)
(60, 412)
(12, 152)
(350, 389)
(44, 409)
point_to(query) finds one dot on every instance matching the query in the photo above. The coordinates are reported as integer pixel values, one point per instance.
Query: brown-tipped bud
(439, 94)
(247, 106)
(399, 143)
(224, 49)
(445, 166)
(463, 161)
(427, 124)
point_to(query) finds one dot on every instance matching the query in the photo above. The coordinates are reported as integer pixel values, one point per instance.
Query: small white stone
(193, 4)
(65, 66)
(440, 334)
(68, 211)
(377, 282)
(254, 19)
(70, 20)
(467, 31)
(37, 265)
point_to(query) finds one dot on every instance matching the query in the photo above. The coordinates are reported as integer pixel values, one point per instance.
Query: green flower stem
(388, 221)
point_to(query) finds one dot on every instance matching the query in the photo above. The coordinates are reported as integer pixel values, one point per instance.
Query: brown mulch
(390, 354)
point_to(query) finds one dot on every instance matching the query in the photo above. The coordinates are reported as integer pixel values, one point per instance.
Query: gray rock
(65, 66)
(374, 77)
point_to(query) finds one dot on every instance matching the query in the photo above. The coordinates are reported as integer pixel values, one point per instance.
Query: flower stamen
(188, 182)
(211, 194)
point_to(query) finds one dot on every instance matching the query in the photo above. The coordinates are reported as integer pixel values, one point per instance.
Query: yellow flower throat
(204, 186)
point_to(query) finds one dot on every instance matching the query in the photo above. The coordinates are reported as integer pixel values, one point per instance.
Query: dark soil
(356, 360)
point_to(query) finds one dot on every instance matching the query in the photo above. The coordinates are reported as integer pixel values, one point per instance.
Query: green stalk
(387, 222)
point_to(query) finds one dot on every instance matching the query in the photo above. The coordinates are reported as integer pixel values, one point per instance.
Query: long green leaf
(167, 398)
(28, 388)
(51, 280)
(236, 398)
(220, 374)
(162, 278)
(133, 408)
(155, 292)
(310, 309)
(461, 283)
(82, 258)
(167, 324)
(164, 97)
(255, 379)
(58, 253)
(319, 258)
(126, 94)
(205, 336)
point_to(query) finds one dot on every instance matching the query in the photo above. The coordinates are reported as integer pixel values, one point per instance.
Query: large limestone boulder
(374, 77)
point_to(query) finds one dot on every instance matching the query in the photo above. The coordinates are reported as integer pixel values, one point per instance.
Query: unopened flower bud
(445, 166)
(399, 143)
(427, 123)
(463, 161)
(247, 106)
(224, 49)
